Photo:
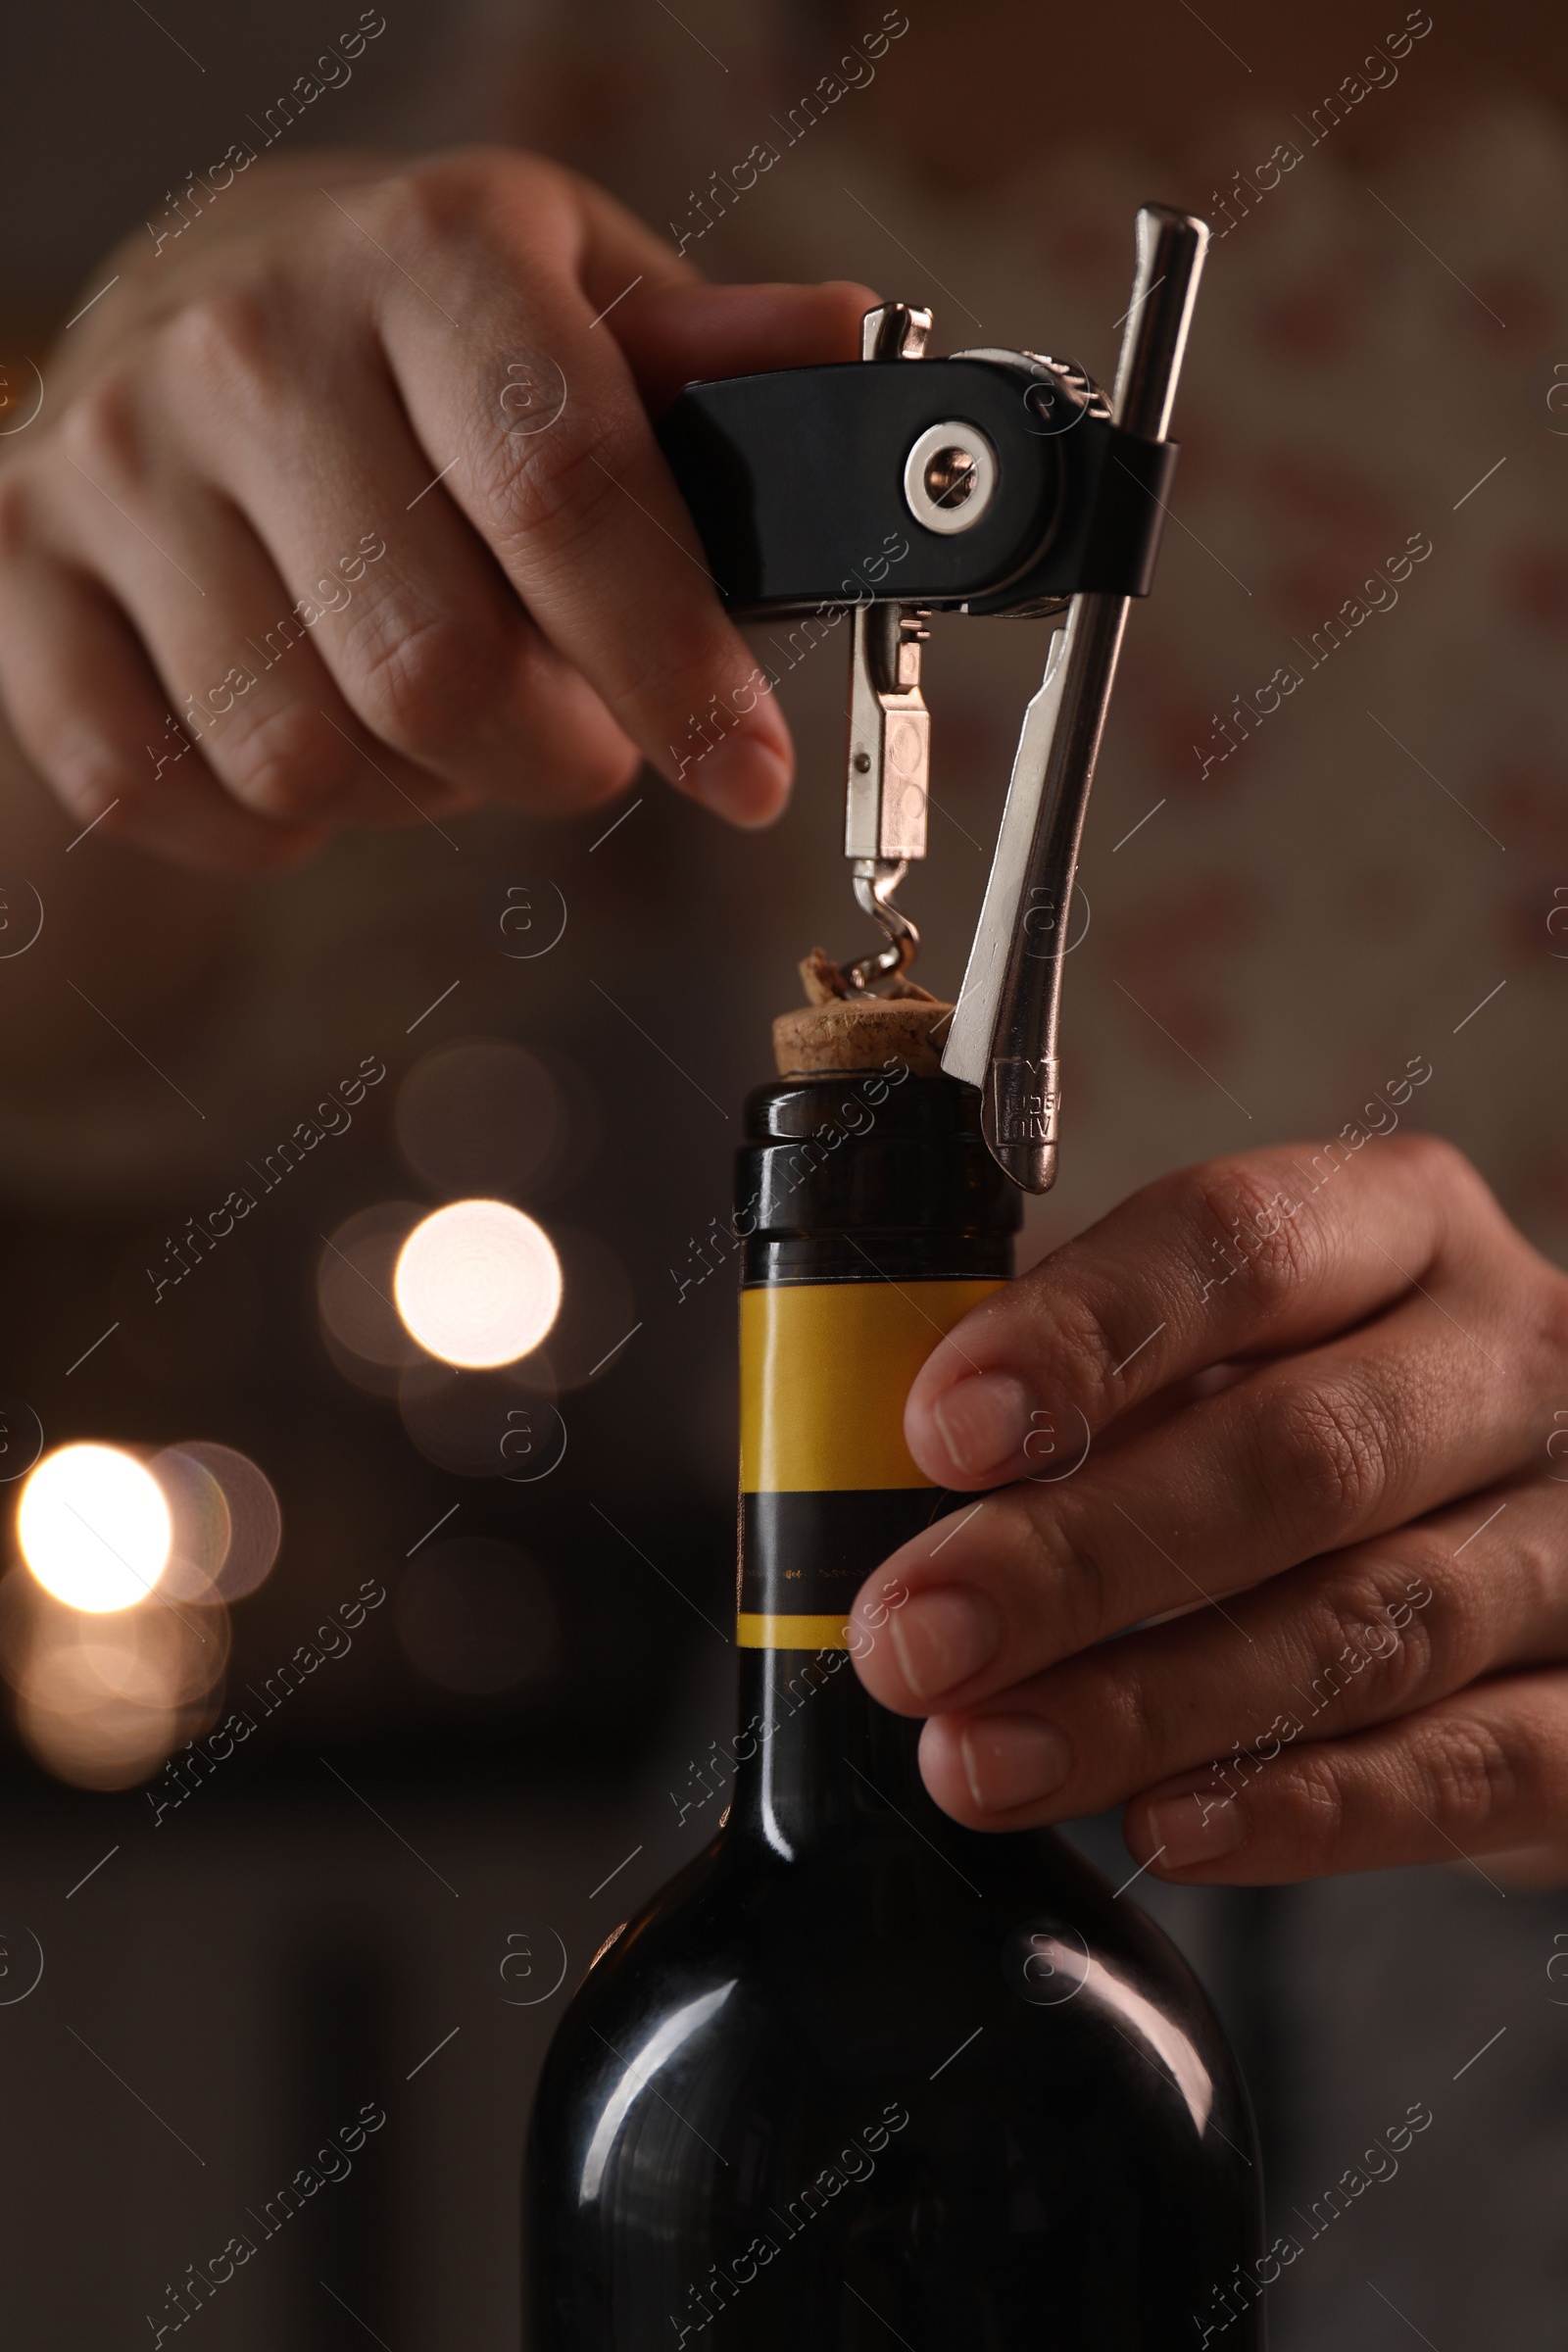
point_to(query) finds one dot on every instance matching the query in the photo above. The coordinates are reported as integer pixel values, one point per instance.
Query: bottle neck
(815, 1757)
(873, 1220)
(828, 1490)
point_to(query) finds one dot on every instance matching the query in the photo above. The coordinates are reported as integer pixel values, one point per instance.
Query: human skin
(1372, 1382)
(276, 378)
(323, 360)
(287, 375)
(239, 409)
(1301, 1432)
(226, 424)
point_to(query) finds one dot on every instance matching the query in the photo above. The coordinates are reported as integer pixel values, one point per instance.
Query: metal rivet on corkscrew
(990, 482)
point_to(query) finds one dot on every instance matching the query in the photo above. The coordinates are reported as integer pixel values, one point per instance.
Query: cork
(835, 1032)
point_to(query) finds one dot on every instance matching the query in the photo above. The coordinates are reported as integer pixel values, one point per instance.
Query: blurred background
(337, 1818)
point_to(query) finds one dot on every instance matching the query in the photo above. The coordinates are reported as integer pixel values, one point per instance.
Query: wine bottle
(860, 2077)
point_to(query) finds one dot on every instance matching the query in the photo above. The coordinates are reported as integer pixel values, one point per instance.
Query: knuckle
(680, 664)
(91, 774)
(1467, 1215)
(472, 206)
(283, 764)
(101, 430)
(427, 204)
(630, 671)
(1469, 1771)
(1440, 1644)
(1356, 1644)
(1336, 1443)
(281, 789)
(1084, 1344)
(225, 340)
(1531, 1594)
(1312, 1811)
(421, 684)
(549, 491)
(1441, 1164)
(1282, 1253)
(1135, 1734)
(1069, 1594)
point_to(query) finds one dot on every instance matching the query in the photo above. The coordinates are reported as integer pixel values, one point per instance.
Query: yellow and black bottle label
(828, 1486)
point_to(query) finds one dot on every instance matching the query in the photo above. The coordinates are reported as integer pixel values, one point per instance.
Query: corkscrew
(992, 482)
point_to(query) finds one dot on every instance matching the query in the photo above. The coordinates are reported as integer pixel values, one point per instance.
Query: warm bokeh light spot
(478, 1284)
(228, 1520)
(94, 1528)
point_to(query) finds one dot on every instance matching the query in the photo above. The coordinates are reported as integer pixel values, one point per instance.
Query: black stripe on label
(811, 1553)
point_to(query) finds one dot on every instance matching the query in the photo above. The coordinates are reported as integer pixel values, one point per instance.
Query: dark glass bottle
(860, 2077)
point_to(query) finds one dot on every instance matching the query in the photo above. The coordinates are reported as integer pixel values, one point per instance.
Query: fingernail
(983, 1421)
(941, 1638)
(1196, 1829)
(743, 778)
(1013, 1760)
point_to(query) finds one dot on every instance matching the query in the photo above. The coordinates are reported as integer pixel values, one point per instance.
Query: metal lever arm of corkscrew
(1004, 1034)
(888, 785)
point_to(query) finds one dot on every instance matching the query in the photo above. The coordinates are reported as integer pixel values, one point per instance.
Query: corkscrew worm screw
(990, 482)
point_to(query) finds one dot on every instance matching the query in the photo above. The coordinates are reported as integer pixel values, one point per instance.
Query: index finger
(582, 513)
(1243, 1257)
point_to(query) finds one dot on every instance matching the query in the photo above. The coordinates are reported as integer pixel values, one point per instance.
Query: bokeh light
(361, 1326)
(478, 1284)
(115, 1634)
(103, 1698)
(198, 1512)
(94, 1527)
(228, 1524)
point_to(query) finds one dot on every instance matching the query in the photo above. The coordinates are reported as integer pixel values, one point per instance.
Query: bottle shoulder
(848, 2066)
(870, 1957)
